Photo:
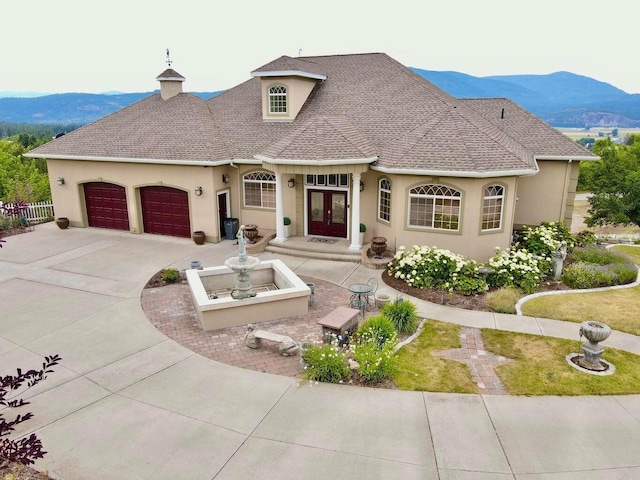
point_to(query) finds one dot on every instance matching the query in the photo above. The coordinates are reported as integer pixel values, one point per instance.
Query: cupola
(170, 83)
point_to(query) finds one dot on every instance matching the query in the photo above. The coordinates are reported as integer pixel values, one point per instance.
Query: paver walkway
(480, 362)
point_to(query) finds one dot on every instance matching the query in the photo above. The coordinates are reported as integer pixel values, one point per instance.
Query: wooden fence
(38, 212)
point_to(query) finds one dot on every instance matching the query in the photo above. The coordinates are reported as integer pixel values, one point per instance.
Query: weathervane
(169, 62)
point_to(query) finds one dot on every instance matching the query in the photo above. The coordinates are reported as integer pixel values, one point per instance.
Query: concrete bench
(341, 320)
(254, 337)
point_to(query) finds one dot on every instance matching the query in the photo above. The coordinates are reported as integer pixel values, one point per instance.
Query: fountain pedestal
(594, 332)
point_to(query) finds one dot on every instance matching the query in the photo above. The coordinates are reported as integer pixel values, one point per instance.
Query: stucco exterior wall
(69, 198)
(469, 241)
(541, 197)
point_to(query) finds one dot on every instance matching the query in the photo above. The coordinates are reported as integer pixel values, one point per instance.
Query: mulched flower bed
(470, 302)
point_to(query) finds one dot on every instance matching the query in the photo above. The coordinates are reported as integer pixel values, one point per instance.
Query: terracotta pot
(251, 232)
(378, 245)
(62, 222)
(199, 237)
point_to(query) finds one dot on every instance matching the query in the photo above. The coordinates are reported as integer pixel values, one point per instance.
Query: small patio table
(359, 298)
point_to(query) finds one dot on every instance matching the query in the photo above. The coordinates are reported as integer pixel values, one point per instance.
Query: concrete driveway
(128, 403)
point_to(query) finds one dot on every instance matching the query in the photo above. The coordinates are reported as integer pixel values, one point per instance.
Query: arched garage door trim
(165, 211)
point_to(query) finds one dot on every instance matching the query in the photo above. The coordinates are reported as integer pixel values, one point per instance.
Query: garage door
(165, 211)
(106, 205)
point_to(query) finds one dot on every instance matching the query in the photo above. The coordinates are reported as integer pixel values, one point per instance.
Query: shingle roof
(368, 106)
(536, 135)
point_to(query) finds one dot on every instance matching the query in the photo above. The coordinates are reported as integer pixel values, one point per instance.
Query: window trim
(457, 197)
(484, 205)
(262, 181)
(381, 192)
(283, 99)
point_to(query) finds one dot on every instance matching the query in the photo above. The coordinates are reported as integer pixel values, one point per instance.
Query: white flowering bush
(325, 363)
(545, 238)
(431, 267)
(375, 362)
(515, 268)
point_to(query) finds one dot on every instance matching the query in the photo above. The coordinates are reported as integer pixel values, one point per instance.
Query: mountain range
(562, 99)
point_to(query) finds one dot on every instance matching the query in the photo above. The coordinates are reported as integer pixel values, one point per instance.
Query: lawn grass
(620, 309)
(540, 367)
(419, 370)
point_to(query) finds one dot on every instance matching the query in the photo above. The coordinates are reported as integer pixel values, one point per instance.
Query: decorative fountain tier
(242, 264)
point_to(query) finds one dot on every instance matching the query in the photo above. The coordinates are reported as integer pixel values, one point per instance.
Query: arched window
(492, 205)
(434, 206)
(384, 200)
(259, 189)
(278, 99)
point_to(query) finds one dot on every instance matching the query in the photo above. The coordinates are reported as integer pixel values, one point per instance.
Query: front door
(327, 213)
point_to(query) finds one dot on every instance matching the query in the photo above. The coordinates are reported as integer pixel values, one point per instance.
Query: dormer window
(278, 99)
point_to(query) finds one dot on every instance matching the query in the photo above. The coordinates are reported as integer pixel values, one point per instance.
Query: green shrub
(426, 267)
(375, 362)
(584, 238)
(598, 256)
(378, 328)
(586, 275)
(170, 275)
(402, 314)
(545, 238)
(514, 268)
(503, 300)
(325, 363)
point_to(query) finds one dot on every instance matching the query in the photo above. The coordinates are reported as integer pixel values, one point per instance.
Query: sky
(95, 47)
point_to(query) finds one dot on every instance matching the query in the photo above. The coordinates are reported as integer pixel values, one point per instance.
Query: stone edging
(584, 290)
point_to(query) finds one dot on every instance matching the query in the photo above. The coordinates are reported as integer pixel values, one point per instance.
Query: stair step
(299, 252)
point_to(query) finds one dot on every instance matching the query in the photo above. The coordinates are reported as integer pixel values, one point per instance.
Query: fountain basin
(289, 298)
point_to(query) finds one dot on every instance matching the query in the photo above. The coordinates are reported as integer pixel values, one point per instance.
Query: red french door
(327, 213)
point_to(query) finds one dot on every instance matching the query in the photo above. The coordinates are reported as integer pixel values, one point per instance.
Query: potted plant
(363, 228)
(287, 222)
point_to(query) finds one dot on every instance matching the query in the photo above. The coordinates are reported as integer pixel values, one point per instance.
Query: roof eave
(289, 73)
(457, 173)
(159, 161)
(567, 157)
(292, 161)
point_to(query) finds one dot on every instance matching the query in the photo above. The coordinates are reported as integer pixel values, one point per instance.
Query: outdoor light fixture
(198, 191)
(361, 185)
(225, 178)
(60, 181)
(291, 183)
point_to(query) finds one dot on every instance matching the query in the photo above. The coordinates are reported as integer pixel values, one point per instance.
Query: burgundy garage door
(106, 205)
(165, 211)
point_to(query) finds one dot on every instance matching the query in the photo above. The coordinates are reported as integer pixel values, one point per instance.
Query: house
(329, 142)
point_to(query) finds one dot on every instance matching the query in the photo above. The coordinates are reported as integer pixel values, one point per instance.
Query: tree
(24, 450)
(615, 184)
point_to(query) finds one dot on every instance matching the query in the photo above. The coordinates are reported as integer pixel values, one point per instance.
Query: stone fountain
(242, 264)
(589, 360)
(246, 290)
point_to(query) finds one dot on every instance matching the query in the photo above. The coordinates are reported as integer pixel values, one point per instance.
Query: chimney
(170, 83)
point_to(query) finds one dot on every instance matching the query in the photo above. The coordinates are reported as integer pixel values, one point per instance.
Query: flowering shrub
(325, 363)
(594, 267)
(379, 329)
(514, 268)
(545, 238)
(431, 267)
(375, 362)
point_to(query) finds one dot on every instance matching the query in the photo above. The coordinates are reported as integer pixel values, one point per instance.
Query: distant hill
(562, 99)
(70, 108)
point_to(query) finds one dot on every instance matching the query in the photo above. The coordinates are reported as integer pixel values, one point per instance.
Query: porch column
(355, 213)
(279, 209)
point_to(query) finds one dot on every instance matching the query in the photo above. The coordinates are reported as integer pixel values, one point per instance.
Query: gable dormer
(285, 86)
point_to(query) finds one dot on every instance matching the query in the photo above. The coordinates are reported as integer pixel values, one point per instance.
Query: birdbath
(594, 332)
(242, 264)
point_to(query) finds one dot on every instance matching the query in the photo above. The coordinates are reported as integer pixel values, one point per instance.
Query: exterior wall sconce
(198, 191)
(225, 178)
(291, 183)
(361, 185)
(60, 181)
